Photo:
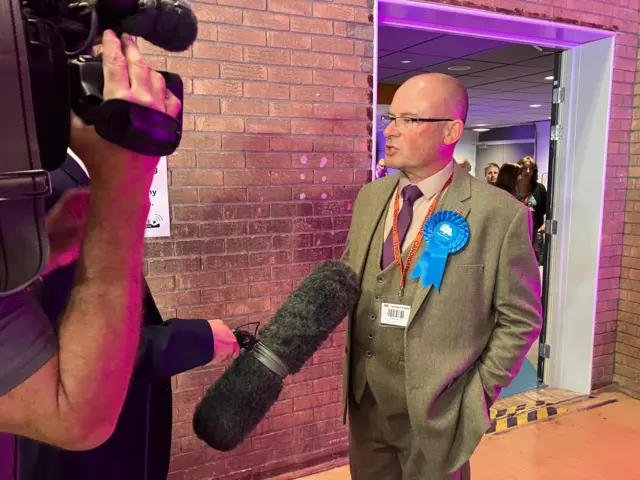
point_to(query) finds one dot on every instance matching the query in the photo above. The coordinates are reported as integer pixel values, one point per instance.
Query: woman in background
(533, 194)
(508, 177)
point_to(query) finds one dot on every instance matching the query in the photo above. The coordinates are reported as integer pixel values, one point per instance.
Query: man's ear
(454, 132)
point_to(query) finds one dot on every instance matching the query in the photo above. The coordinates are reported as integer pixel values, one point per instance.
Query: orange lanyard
(397, 253)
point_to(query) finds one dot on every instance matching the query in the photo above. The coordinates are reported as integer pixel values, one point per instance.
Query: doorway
(562, 359)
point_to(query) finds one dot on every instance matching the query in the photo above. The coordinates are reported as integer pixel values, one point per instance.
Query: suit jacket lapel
(375, 206)
(455, 199)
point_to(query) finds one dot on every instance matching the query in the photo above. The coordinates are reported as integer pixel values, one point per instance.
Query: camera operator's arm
(74, 400)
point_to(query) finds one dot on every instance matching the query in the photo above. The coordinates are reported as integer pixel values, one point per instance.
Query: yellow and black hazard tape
(517, 409)
(522, 414)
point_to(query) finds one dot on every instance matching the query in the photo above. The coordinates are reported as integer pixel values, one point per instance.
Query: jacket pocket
(448, 398)
(473, 422)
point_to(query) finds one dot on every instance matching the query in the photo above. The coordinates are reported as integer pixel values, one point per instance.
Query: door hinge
(544, 350)
(558, 95)
(556, 132)
(551, 227)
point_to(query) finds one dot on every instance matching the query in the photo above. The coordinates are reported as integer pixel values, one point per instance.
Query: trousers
(385, 447)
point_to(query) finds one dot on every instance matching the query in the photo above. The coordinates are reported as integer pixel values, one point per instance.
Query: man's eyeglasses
(408, 122)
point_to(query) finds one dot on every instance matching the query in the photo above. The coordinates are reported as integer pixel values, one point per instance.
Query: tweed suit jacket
(467, 341)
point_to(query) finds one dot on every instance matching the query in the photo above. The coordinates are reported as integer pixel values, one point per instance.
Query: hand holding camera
(126, 77)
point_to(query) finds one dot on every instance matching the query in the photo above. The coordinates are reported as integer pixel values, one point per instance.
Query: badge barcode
(396, 313)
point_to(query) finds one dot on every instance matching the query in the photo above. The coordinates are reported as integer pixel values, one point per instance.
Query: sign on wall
(158, 224)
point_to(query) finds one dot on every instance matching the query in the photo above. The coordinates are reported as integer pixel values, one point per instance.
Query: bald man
(444, 321)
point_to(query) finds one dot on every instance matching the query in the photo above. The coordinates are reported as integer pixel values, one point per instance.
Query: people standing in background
(491, 173)
(381, 169)
(507, 177)
(466, 164)
(533, 195)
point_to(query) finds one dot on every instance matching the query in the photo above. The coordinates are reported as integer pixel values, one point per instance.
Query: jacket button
(369, 353)
(380, 279)
(372, 316)
(377, 299)
(370, 335)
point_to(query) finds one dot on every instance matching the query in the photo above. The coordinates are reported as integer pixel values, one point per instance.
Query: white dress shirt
(78, 161)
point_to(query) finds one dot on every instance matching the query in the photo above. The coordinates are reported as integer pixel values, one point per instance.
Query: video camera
(47, 70)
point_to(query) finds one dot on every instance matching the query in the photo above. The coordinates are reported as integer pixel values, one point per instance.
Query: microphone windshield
(311, 313)
(234, 405)
(168, 24)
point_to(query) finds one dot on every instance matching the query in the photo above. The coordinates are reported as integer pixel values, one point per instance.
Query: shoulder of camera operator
(27, 344)
(28, 355)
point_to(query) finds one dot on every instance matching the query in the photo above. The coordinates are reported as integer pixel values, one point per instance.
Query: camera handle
(132, 126)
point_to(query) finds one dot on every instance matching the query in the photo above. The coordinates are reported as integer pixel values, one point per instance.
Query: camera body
(46, 70)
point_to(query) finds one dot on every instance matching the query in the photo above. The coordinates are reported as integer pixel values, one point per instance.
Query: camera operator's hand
(127, 76)
(65, 224)
(225, 345)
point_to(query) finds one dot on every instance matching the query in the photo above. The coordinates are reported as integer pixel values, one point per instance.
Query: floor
(588, 439)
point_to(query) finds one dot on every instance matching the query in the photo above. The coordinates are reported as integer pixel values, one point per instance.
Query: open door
(551, 225)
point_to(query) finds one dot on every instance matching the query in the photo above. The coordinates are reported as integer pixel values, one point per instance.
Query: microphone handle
(245, 339)
(261, 352)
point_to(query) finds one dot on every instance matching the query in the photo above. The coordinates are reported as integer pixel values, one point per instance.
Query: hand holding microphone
(225, 345)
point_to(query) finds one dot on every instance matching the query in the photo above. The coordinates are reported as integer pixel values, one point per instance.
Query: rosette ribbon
(445, 233)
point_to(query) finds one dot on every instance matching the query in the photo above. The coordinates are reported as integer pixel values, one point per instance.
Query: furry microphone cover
(234, 405)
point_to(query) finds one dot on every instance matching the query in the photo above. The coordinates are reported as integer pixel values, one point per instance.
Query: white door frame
(582, 153)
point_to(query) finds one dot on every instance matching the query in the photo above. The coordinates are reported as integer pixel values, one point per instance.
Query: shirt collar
(432, 185)
(77, 160)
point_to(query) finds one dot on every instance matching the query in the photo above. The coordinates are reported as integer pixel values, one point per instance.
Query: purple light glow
(497, 26)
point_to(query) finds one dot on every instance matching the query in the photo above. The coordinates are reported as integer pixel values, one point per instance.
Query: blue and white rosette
(445, 233)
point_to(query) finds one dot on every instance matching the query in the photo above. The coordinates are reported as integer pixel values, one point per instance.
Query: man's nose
(390, 129)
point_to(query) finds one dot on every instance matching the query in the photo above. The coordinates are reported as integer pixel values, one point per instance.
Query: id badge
(394, 315)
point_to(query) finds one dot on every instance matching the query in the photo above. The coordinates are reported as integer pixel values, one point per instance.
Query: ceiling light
(481, 129)
(549, 77)
(481, 125)
(535, 105)
(405, 61)
(459, 68)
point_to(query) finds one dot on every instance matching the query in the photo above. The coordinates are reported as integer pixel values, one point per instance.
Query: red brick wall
(277, 144)
(627, 366)
(276, 147)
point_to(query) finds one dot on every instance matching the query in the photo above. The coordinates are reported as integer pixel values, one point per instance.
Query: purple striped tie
(410, 194)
